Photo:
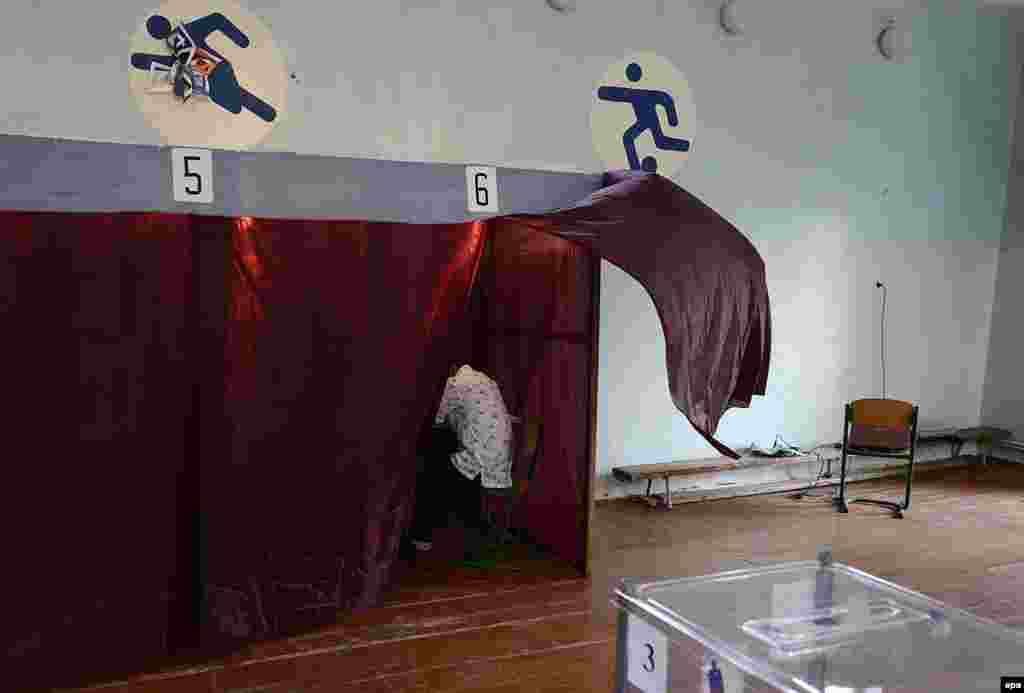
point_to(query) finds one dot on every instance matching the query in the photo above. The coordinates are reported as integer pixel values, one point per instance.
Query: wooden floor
(532, 625)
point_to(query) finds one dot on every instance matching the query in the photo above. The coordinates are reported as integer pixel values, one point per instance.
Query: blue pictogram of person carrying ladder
(193, 67)
(645, 104)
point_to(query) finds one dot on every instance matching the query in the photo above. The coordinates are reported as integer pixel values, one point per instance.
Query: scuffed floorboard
(534, 625)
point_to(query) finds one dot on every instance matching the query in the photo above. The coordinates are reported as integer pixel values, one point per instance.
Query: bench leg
(650, 498)
(668, 495)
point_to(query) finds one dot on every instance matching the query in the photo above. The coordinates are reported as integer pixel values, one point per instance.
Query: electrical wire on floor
(813, 483)
(787, 449)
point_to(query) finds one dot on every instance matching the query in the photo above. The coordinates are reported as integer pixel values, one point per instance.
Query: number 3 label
(482, 188)
(646, 654)
(192, 175)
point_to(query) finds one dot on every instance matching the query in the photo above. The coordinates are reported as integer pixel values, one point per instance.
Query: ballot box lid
(825, 627)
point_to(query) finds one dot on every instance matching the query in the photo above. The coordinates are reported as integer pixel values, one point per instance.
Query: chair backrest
(887, 413)
(881, 424)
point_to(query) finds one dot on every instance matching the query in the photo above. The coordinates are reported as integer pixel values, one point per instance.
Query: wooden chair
(525, 448)
(879, 428)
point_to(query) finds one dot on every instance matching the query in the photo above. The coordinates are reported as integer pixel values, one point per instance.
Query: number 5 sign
(192, 175)
(482, 188)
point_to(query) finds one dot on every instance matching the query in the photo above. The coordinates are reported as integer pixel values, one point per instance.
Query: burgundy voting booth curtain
(706, 279)
(97, 327)
(337, 342)
(215, 420)
(208, 408)
(534, 334)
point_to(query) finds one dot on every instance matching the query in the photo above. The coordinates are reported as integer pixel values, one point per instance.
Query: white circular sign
(642, 115)
(207, 73)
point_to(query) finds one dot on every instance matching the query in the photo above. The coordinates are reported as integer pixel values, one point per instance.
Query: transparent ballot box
(805, 627)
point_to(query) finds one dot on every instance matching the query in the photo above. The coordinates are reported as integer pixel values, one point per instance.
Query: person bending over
(470, 448)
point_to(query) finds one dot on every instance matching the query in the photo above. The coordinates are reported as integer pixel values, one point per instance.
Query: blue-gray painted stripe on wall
(77, 176)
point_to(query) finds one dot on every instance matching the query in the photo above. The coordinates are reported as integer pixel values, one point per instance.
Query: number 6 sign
(482, 188)
(192, 175)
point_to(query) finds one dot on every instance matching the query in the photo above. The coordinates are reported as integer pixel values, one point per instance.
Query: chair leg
(895, 508)
(840, 501)
(910, 481)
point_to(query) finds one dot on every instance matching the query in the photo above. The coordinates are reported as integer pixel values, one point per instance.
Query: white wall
(1004, 388)
(801, 127)
(1003, 403)
(857, 171)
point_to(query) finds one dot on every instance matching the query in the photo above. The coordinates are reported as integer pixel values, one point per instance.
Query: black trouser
(441, 487)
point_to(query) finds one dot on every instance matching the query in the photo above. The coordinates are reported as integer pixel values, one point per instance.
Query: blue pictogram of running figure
(645, 104)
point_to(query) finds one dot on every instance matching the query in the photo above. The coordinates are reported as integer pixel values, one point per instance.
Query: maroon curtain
(535, 336)
(706, 279)
(337, 343)
(95, 314)
(235, 404)
(207, 402)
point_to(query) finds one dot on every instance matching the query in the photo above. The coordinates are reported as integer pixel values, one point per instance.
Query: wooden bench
(1012, 444)
(669, 470)
(958, 436)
